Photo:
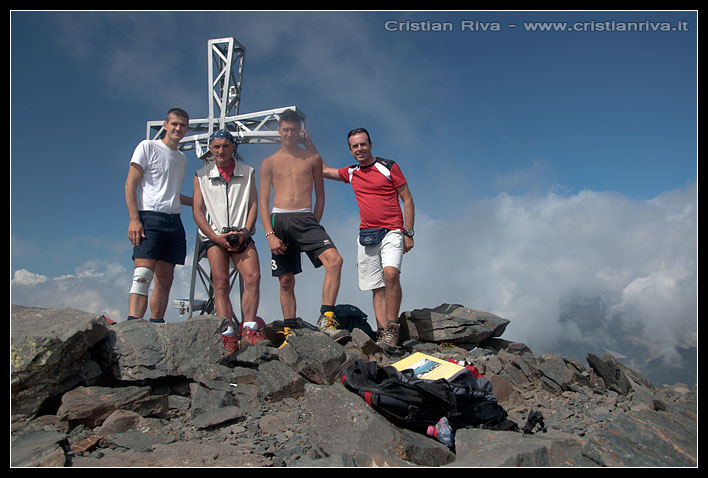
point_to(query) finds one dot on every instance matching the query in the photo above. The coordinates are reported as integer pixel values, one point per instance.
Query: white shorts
(371, 260)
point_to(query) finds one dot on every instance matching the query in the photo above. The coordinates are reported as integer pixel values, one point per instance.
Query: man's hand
(135, 232)
(276, 246)
(407, 243)
(306, 140)
(221, 240)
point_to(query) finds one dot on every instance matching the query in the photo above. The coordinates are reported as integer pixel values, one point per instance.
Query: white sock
(252, 325)
(229, 331)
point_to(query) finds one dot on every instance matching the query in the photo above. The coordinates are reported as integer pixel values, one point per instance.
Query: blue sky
(546, 167)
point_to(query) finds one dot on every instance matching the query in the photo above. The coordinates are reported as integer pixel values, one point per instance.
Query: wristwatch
(409, 232)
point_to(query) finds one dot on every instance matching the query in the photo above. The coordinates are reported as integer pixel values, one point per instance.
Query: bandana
(221, 134)
(227, 171)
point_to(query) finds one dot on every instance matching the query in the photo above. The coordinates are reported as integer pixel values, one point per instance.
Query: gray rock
(256, 355)
(179, 454)
(134, 440)
(38, 448)
(451, 323)
(118, 422)
(342, 423)
(611, 371)
(219, 416)
(277, 381)
(314, 356)
(207, 400)
(645, 438)
(139, 350)
(50, 354)
(479, 448)
(91, 406)
(362, 341)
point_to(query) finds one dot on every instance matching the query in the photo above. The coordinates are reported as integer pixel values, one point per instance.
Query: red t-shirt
(375, 192)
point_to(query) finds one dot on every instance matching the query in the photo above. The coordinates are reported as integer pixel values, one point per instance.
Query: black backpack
(416, 403)
(351, 317)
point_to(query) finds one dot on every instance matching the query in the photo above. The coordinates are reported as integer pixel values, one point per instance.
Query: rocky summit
(87, 392)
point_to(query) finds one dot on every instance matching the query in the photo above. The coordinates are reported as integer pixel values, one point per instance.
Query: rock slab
(451, 323)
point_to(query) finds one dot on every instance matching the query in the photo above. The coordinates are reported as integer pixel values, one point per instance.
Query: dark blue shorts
(165, 239)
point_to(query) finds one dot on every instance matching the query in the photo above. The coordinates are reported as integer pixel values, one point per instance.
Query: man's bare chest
(292, 170)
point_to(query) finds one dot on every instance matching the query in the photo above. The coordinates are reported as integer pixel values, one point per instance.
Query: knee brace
(142, 277)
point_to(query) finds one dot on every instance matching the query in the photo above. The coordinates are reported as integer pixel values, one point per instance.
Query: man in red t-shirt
(385, 232)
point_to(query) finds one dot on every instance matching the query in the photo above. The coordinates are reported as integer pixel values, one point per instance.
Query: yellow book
(428, 367)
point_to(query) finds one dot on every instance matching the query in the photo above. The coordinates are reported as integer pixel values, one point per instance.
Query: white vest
(226, 204)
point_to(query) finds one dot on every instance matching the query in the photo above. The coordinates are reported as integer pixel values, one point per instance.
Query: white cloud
(25, 277)
(526, 258)
(94, 287)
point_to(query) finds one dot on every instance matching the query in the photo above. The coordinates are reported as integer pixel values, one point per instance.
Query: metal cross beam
(252, 128)
(226, 59)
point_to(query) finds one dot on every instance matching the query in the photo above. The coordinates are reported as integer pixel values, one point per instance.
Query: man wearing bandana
(225, 210)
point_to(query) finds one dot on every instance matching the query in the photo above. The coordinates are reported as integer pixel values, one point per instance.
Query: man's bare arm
(266, 182)
(408, 214)
(319, 187)
(327, 172)
(186, 200)
(408, 206)
(274, 242)
(330, 173)
(135, 228)
(252, 206)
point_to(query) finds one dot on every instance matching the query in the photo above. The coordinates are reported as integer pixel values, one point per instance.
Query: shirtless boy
(294, 226)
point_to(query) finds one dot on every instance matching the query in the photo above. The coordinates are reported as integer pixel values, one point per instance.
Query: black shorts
(165, 239)
(300, 232)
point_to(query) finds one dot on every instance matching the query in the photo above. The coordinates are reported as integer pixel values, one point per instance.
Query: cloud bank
(594, 271)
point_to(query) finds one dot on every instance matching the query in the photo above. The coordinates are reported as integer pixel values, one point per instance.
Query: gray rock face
(50, 354)
(87, 393)
(139, 350)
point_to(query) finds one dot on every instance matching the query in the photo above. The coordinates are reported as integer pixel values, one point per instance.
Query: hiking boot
(301, 324)
(230, 343)
(251, 336)
(328, 325)
(389, 337)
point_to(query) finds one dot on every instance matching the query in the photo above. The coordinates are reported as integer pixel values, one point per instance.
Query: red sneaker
(251, 336)
(230, 343)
